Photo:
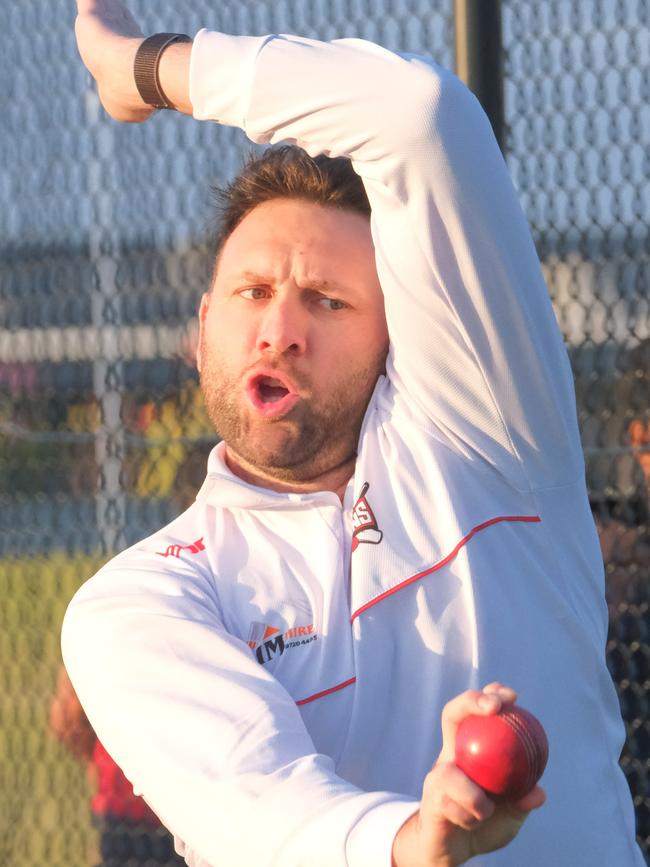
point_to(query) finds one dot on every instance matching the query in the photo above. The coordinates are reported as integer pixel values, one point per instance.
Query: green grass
(44, 795)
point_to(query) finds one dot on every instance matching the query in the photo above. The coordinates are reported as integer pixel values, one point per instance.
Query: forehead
(299, 237)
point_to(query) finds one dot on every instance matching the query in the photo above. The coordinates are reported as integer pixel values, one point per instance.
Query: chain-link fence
(578, 145)
(105, 250)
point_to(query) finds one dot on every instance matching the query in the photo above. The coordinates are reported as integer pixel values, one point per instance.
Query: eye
(332, 303)
(253, 293)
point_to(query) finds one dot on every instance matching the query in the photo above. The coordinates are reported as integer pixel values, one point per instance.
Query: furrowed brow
(254, 277)
(325, 286)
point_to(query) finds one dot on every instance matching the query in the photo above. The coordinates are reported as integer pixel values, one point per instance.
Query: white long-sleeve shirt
(269, 669)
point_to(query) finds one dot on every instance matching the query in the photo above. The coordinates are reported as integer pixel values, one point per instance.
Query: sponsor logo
(175, 550)
(364, 523)
(268, 641)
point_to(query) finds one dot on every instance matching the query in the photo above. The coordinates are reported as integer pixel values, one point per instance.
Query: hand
(457, 819)
(108, 38)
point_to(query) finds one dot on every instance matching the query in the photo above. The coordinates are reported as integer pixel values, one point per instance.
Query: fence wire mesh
(105, 249)
(578, 112)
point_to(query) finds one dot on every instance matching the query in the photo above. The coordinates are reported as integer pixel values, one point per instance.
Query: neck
(334, 479)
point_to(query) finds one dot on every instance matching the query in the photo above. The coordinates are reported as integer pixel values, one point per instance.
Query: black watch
(145, 67)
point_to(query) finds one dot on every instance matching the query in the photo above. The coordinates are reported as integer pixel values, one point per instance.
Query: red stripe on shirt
(327, 691)
(532, 519)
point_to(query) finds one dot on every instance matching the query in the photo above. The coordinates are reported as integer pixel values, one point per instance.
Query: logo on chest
(175, 550)
(268, 642)
(364, 523)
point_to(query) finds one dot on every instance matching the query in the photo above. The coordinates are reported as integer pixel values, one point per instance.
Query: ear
(203, 313)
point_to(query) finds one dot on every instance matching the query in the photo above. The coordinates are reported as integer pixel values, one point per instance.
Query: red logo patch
(175, 550)
(365, 529)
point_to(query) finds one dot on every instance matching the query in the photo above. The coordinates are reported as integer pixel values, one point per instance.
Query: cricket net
(105, 249)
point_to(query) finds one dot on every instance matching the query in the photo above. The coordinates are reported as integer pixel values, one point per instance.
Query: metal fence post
(479, 56)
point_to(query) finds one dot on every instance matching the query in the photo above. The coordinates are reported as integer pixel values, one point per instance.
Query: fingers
(490, 700)
(532, 801)
(449, 794)
(458, 815)
(505, 693)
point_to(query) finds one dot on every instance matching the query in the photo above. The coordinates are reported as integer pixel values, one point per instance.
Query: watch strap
(145, 67)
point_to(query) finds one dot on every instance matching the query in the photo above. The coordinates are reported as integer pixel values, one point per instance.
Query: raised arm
(476, 351)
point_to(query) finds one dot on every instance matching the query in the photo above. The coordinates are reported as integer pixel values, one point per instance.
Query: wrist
(407, 845)
(128, 52)
(174, 75)
(413, 848)
(125, 83)
(116, 86)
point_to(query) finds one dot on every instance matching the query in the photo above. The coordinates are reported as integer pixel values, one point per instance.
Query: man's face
(292, 338)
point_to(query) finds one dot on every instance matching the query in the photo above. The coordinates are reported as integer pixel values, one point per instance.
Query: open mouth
(271, 390)
(271, 395)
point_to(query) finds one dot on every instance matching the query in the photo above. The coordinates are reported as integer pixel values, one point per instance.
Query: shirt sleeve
(213, 742)
(475, 348)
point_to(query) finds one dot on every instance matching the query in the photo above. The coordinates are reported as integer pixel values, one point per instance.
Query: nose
(283, 328)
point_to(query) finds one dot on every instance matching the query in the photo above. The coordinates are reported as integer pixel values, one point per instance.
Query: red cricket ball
(504, 753)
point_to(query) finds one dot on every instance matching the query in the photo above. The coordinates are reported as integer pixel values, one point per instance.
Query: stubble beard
(318, 435)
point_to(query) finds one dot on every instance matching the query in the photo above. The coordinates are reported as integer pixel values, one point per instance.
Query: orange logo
(267, 641)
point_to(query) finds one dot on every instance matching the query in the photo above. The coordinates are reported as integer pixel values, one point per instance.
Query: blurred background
(105, 249)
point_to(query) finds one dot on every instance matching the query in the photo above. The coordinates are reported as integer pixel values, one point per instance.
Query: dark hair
(288, 172)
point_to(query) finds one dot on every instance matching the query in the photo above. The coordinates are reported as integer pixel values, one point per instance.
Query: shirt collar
(223, 488)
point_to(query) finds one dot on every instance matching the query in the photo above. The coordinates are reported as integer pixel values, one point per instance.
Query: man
(397, 514)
